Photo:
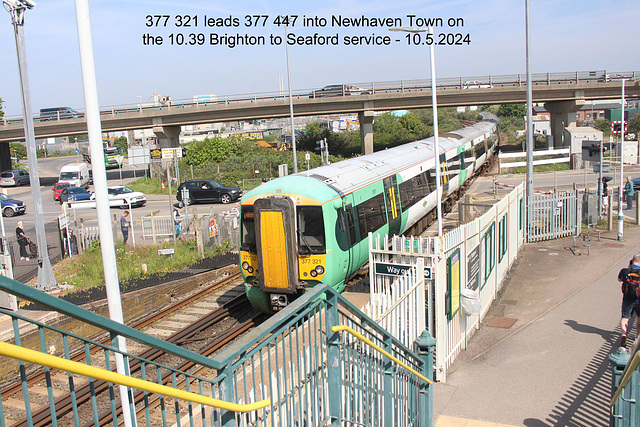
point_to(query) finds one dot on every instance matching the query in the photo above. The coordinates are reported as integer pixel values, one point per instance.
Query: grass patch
(540, 168)
(86, 271)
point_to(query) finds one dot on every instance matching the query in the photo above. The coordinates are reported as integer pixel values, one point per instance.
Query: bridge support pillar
(563, 113)
(366, 131)
(168, 136)
(5, 157)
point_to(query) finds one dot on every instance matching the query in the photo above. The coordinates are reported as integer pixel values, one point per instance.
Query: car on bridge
(11, 206)
(338, 90)
(59, 113)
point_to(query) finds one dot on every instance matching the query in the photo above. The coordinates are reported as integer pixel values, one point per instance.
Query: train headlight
(319, 270)
(245, 265)
(313, 273)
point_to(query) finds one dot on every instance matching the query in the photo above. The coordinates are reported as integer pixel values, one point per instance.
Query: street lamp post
(434, 105)
(293, 130)
(46, 279)
(621, 197)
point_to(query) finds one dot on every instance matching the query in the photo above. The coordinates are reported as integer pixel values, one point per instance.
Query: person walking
(124, 227)
(628, 191)
(630, 278)
(177, 221)
(605, 194)
(23, 241)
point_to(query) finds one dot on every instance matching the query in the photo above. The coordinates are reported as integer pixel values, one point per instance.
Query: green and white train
(312, 227)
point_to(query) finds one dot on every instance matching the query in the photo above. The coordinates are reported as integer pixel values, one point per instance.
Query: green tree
(21, 150)
(313, 132)
(512, 110)
(122, 144)
(634, 125)
(603, 125)
(214, 149)
(1, 112)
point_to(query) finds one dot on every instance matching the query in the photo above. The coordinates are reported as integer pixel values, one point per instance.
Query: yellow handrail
(27, 355)
(631, 367)
(340, 328)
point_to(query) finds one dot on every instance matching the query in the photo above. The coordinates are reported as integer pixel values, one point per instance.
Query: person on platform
(630, 278)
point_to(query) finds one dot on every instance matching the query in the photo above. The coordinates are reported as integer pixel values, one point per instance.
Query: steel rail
(64, 404)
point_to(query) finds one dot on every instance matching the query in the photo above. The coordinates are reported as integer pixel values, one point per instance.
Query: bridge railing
(368, 88)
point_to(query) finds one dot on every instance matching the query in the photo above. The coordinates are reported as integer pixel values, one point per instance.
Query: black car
(208, 190)
(636, 184)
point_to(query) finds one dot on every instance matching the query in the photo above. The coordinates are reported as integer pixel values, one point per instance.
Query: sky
(565, 36)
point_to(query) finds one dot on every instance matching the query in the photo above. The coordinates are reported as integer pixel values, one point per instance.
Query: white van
(76, 174)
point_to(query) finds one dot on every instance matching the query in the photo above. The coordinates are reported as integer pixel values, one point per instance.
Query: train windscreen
(248, 232)
(311, 239)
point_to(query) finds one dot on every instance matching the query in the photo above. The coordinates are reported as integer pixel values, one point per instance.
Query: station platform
(540, 357)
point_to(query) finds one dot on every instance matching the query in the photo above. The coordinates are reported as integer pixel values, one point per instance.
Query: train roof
(349, 175)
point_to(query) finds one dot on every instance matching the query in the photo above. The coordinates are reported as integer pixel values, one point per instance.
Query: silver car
(14, 178)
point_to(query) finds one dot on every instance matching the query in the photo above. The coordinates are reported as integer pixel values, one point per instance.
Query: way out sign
(390, 269)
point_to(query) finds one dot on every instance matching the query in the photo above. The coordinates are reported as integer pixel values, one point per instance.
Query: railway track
(204, 322)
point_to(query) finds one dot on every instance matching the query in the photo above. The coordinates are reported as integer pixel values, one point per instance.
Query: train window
(453, 166)
(248, 230)
(371, 214)
(469, 157)
(414, 190)
(311, 238)
(480, 149)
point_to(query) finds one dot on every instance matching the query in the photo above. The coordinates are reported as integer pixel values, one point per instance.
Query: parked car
(636, 184)
(125, 194)
(74, 194)
(11, 207)
(338, 90)
(14, 178)
(208, 190)
(57, 189)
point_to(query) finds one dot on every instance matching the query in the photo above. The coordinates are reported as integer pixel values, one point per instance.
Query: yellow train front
(283, 247)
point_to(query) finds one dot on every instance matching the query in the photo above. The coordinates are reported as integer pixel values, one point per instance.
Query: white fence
(564, 156)
(475, 256)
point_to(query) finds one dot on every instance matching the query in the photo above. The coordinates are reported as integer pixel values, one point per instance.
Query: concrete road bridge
(562, 93)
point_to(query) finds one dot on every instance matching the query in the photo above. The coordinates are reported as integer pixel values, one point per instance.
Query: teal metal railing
(41, 341)
(299, 360)
(318, 376)
(625, 388)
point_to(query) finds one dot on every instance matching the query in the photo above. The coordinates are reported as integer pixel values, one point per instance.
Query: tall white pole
(621, 195)
(94, 129)
(529, 137)
(436, 148)
(46, 278)
(293, 130)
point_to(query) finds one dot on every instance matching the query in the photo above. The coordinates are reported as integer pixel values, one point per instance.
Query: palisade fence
(462, 271)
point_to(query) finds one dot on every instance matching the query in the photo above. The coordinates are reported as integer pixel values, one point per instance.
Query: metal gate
(555, 215)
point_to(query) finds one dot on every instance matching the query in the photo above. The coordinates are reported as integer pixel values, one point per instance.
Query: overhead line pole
(94, 130)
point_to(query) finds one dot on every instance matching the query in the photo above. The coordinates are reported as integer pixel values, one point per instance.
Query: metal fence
(24, 270)
(555, 215)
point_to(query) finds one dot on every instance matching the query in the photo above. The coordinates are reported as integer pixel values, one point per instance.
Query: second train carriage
(312, 227)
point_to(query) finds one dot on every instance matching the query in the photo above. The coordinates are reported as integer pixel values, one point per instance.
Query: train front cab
(277, 261)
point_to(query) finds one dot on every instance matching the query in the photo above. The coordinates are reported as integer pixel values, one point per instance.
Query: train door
(393, 205)
(276, 244)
